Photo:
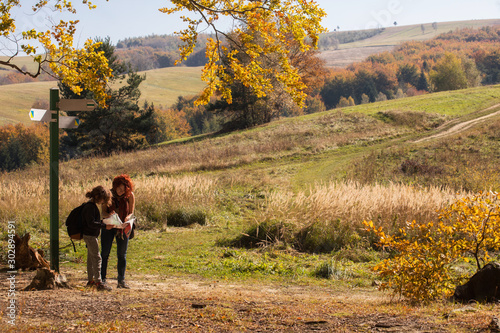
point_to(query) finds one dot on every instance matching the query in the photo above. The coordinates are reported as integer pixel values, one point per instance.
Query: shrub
(21, 146)
(333, 269)
(325, 237)
(412, 166)
(358, 254)
(184, 218)
(265, 233)
(422, 267)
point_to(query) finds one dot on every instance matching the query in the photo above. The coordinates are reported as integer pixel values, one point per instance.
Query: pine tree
(422, 83)
(119, 126)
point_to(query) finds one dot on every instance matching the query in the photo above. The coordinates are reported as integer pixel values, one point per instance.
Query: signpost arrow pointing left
(40, 115)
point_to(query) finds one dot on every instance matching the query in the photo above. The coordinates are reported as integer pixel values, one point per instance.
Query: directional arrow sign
(77, 105)
(68, 122)
(40, 115)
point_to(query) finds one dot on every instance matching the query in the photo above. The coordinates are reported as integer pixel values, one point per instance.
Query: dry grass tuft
(329, 217)
(352, 202)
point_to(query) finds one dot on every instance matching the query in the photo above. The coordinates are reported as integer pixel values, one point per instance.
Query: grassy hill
(279, 205)
(296, 153)
(398, 34)
(390, 37)
(162, 87)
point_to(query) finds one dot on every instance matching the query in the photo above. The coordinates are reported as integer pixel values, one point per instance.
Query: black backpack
(74, 223)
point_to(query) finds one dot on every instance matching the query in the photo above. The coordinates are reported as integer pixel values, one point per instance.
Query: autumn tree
(21, 146)
(448, 74)
(341, 84)
(345, 102)
(199, 118)
(422, 83)
(169, 124)
(275, 20)
(53, 50)
(422, 266)
(489, 64)
(408, 73)
(277, 24)
(248, 108)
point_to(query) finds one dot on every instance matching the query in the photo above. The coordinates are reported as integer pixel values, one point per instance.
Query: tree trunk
(46, 278)
(26, 256)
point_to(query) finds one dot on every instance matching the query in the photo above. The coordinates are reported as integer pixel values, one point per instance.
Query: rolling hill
(163, 86)
(311, 179)
(390, 37)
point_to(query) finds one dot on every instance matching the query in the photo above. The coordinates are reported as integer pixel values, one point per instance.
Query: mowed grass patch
(16, 100)
(397, 35)
(164, 85)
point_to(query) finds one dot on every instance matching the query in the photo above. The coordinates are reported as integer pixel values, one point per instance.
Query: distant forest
(332, 40)
(455, 60)
(159, 51)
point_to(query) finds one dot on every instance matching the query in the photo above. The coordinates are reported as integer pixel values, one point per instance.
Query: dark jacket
(91, 220)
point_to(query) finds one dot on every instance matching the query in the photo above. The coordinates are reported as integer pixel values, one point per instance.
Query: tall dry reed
(351, 203)
(26, 200)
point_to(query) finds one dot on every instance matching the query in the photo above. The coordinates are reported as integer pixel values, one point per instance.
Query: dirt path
(191, 304)
(460, 127)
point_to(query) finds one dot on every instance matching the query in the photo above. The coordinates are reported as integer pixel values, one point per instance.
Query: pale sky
(120, 19)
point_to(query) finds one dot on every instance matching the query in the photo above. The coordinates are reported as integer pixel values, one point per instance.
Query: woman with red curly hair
(123, 204)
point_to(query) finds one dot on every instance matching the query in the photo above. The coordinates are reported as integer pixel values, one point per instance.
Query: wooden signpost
(55, 123)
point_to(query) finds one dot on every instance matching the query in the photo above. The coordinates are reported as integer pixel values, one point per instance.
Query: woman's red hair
(125, 180)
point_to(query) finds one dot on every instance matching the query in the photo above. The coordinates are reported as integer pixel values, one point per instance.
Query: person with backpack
(123, 204)
(91, 228)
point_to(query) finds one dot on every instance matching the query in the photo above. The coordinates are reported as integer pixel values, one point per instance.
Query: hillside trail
(444, 131)
(194, 304)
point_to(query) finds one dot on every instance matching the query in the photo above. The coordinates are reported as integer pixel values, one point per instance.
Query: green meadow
(161, 87)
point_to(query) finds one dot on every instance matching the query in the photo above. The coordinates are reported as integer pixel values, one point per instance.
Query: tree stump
(45, 279)
(26, 256)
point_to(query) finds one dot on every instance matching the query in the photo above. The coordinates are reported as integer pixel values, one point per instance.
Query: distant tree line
(455, 60)
(157, 51)
(332, 40)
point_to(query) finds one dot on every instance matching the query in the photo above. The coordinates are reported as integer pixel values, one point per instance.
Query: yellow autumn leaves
(424, 256)
(263, 29)
(84, 68)
(277, 23)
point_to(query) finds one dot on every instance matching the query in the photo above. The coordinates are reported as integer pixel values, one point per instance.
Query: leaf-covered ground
(193, 304)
